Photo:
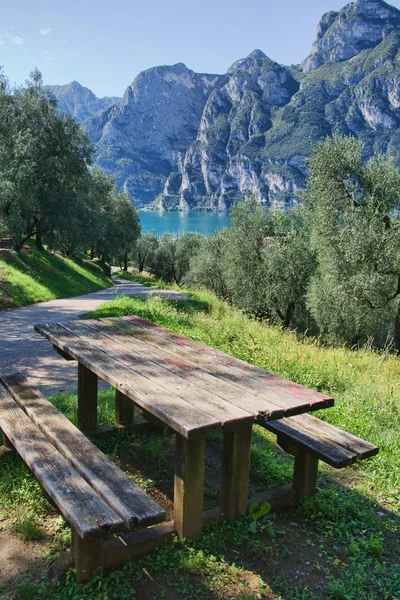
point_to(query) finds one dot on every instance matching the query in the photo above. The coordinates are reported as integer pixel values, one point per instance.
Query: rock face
(341, 35)
(79, 101)
(149, 131)
(225, 160)
(180, 139)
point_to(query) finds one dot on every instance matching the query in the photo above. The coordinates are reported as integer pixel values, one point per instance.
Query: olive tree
(270, 262)
(355, 292)
(43, 162)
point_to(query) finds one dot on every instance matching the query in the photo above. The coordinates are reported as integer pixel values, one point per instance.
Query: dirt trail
(22, 349)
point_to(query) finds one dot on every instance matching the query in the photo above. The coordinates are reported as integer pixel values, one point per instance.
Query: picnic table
(190, 387)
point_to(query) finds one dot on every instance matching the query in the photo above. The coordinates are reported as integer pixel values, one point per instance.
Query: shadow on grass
(338, 545)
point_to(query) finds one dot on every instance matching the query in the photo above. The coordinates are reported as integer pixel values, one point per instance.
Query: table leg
(87, 399)
(88, 557)
(123, 409)
(189, 486)
(235, 471)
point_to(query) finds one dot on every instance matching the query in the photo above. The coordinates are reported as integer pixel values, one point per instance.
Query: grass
(34, 276)
(342, 544)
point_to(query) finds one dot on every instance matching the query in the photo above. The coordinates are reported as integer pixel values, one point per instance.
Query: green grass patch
(34, 276)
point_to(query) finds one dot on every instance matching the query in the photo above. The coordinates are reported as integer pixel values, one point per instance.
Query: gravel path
(22, 349)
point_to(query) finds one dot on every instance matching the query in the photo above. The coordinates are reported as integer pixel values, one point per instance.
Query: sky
(104, 44)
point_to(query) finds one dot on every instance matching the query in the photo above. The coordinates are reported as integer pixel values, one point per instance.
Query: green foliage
(209, 266)
(262, 263)
(354, 294)
(37, 276)
(145, 250)
(43, 162)
(46, 188)
(172, 258)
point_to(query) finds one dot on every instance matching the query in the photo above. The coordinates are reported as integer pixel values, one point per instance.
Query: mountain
(79, 101)
(180, 139)
(144, 138)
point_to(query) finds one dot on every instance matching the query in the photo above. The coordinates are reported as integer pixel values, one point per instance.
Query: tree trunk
(92, 254)
(39, 243)
(126, 261)
(19, 245)
(289, 315)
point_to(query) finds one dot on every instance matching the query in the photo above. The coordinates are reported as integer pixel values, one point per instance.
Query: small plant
(257, 512)
(337, 591)
(28, 529)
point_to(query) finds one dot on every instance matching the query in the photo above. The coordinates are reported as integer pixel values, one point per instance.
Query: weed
(28, 529)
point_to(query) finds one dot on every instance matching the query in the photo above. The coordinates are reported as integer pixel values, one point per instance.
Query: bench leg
(87, 399)
(88, 557)
(235, 472)
(123, 409)
(189, 486)
(305, 475)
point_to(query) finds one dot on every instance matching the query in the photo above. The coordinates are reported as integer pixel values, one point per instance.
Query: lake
(175, 222)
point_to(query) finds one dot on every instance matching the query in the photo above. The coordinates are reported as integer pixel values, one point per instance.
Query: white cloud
(45, 31)
(49, 56)
(2, 43)
(15, 39)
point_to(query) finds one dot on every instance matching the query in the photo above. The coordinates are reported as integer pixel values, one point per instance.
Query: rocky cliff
(79, 101)
(180, 139)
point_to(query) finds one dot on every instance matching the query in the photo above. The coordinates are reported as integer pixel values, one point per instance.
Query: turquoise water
(181, 222)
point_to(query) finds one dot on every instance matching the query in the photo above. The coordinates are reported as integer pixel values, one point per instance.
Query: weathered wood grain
(287, 394)
(87, 398)
(317, 427)
(202, 378)
(321, 447)
(127, 499)
(86, 512)
(124, 406)
(88, 557)
(305, 475)
(235, 471)
(181, 416)
(139, 361)
(189, 486)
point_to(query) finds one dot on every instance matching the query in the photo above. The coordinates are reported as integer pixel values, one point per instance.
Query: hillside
(34, 276)
(180, 139)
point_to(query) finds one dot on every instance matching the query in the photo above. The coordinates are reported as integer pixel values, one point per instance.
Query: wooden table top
(192, 388)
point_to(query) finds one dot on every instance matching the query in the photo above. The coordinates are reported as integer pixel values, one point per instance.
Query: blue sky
(104, 44)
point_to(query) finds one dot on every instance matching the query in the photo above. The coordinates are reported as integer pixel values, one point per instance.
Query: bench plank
(322, 447)
(262, 383)
(140, 362)
(127, 499)
(360, 447)
(181, 416)
(87, 513)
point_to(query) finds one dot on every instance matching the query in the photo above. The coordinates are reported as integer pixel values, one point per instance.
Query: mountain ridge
(185, 140)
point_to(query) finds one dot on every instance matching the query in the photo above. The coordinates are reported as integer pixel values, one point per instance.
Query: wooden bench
(92, 493)
(309, 439)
